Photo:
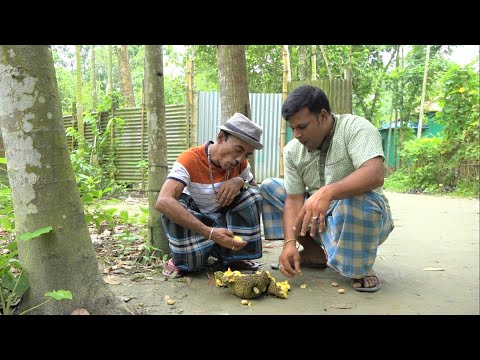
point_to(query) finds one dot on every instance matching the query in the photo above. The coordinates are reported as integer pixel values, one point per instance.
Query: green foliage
(450, 163)
(95, 168)
(459, 115)
(60, 294)
(13, 280)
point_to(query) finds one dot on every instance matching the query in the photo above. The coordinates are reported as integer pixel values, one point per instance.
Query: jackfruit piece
(218, 275)
(249, 286)
(238, 239)
(230, 276)
(278, 289)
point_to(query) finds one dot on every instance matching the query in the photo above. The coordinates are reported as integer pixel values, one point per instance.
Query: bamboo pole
(286, 79)
(424, 88)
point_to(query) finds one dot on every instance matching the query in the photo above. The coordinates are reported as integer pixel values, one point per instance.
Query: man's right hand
(224, 237)
(288, 257)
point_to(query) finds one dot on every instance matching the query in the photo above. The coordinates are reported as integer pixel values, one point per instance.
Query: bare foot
(311, 260)
(368, 283)
(312, 254)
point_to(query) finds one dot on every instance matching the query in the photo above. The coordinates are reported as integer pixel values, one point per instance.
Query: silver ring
(314, 217)
(280, 267)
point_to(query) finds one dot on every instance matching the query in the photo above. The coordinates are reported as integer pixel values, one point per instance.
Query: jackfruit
(250, 286)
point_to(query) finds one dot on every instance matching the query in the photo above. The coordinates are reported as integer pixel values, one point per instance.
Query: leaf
(36, 233)
(433, 269)
(12, 246)
(19, 283)
(3, 160)
(109, 279)
(59, 294)
(342, 306)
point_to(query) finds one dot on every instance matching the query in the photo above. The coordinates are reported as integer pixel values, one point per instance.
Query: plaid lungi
(354, 227)
(190, 251)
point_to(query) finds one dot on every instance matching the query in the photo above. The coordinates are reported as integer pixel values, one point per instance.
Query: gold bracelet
(286, 241)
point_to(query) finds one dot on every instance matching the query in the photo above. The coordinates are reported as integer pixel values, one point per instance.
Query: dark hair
(308, 96)
(225, 135)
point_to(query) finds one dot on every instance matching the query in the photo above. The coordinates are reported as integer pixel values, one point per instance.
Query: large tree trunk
(233, 85)
(125, 75)
(44, 191)
(94, 78)
(157, 141)
(79, 99)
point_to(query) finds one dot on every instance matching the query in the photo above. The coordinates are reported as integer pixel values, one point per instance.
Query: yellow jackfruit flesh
(250, 286)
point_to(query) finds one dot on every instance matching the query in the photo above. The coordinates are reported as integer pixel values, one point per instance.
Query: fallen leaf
(109, 279)
(342, 306)
(125, 298)
(303, 286)
(433, 269)
(211, 279)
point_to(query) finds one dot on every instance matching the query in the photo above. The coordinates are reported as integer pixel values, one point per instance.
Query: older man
(209, 197)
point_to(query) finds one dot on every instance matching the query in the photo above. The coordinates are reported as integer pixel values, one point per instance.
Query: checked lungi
(354, 227)
(190, 251)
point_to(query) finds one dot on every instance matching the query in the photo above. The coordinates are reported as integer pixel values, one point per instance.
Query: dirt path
(431, 233)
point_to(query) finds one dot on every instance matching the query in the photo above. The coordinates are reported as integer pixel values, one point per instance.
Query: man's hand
(229, 190)
(224, 237)
(288, 257)
(313, 213)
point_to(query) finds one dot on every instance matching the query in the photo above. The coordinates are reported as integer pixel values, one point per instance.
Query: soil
(428, 265)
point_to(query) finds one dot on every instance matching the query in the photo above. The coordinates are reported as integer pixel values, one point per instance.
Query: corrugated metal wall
(129, 150)
(266, 112)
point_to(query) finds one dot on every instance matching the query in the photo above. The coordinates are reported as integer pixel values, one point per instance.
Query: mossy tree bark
(157, 141)
(233, 84)
(125, 75)
(44, 191)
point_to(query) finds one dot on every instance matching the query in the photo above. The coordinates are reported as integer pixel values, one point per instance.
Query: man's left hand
(229, 190)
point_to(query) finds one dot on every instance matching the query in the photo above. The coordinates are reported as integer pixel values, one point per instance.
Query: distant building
(430, 129)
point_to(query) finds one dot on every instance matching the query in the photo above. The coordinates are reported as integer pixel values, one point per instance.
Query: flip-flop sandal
(243, 265)
(275, 265)
(171, 271)
(367, 289)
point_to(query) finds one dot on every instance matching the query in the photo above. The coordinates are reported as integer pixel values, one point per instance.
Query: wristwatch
(246, 185)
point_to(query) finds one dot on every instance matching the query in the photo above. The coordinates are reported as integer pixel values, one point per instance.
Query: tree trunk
(424, 90)
(286, 78)
(44, 191)
(327, 65)
(94, 79)
(302, 62)
(314, 62)
(157, 141)
(110, 70)
(81, 128)
(125, 75)
(233, 85)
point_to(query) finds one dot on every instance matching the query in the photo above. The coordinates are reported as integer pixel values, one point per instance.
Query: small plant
(13, 279)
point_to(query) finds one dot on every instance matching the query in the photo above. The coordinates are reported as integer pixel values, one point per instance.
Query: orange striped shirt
(191, 169)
